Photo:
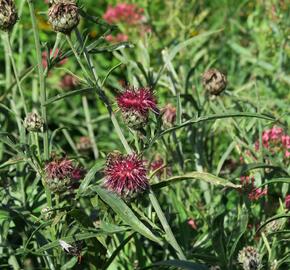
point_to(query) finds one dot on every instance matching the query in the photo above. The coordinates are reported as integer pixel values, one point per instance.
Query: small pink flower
(57, 53)
(124, 13)
(257, 193)
(287, 202)
(126, 174)
(192, 223)
(248, 186)
(141, 100)
(69, 82)
(169, 114)
(157, 164)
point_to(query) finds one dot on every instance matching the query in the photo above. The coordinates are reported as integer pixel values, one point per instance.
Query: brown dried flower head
(214, 81)
(63, 15)
(33, 122)
(8, 15)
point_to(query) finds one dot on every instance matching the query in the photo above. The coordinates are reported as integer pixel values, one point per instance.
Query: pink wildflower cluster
(248, 186)
(124, 13)
(275, 140)
(120, 37)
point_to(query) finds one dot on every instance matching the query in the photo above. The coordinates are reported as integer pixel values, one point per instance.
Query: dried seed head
(249, 258)
(8, 15)
(63, 15)
(47, 213)
(214, 81)
(33, 122)
(274, 226)
(126, 174)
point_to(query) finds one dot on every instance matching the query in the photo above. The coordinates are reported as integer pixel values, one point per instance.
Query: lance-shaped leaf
(125, 213)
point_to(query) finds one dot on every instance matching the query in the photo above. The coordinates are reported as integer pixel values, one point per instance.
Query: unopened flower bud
(33, 122)
(63, 16)
(8, 15)
(214, 81)
(249, 258)
(135, 119)
(84, 144)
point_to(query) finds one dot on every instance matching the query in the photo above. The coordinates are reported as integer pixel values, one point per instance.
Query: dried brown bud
(33, 122)
(63, 16)
(214, 81)
(8, 15)
(84, 144)
(249, 258)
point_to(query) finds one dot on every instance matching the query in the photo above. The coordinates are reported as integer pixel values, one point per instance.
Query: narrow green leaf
(212, 118)
(89, 177)
(272, 219)
(125, 213)
(207, 177)
(242, 225)
(70, 239)
(276, 180)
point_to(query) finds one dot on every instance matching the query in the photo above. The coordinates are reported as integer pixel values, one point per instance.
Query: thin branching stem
(42, 92)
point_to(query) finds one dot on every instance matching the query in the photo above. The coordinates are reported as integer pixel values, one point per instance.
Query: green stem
(90, 127)
(51, 55)
(85, 103)
(68, 38)
(41, 77)
(42, 92)
(103, 95)
(169, 234)
(10, 54)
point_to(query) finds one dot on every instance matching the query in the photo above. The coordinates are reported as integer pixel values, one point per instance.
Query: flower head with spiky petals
(62, 174)
(135, 105)
(141, 100)
(126, 174)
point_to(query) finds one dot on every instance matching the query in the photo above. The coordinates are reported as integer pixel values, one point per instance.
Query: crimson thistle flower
(135, 105)
(61, 174)
(126, 174)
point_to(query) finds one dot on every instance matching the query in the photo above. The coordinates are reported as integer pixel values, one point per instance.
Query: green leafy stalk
(42, 91)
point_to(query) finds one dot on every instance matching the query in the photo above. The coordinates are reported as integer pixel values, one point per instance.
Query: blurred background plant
(217, 164)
